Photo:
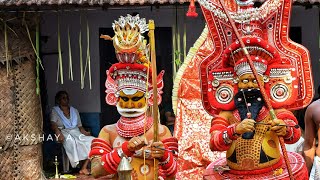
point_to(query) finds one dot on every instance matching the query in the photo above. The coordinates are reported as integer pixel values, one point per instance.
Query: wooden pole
(154, 90)
(262, 89)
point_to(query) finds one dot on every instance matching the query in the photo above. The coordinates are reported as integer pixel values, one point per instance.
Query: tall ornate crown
(133, 70)
(131, 76)
(242, 66)
(128, 40)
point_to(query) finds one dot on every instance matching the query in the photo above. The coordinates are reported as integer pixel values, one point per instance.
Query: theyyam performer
(250, 82)
(129, 87)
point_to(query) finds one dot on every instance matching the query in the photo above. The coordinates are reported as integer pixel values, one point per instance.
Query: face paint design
(132, 105)
(247, 81)
(248, 87)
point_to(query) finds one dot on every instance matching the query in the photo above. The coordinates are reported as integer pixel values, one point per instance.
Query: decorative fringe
(174, 67)
(88, 58)
(176, 45)
(70, 56)
(192, 52)
(178, 56)
(6, 47)
(184, 39)
(88, 55)
(38, 59)
(60, 64)
(80, 55)
(13, 47)
(31, 42)
(177, 52)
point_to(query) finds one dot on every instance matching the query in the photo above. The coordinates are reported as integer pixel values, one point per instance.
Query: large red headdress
(133, 72)
(285, 65)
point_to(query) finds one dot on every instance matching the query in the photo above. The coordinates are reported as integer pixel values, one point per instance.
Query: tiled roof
(89, 2)
(102, 2)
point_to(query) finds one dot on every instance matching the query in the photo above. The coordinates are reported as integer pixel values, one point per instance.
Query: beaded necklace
(130, 127)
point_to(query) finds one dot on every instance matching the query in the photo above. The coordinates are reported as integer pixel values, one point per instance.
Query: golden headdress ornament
(129, 43)
(133, 71)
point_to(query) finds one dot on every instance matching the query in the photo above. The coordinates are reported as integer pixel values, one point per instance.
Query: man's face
(132, 105)
(247, 81)
(249, 98)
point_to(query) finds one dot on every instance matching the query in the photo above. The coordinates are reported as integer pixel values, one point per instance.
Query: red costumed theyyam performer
(252, 80)
(133, 88)
(251, 77)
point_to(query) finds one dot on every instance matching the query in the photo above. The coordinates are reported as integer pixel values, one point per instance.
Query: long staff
(263, 91)
(154, 90)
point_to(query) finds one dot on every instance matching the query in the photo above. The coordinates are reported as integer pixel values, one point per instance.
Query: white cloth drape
(68, 123)
(76, 145)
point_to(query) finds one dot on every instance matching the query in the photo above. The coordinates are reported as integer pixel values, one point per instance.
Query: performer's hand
(136, 143)
(157, 150)
(246, 125)
(279, 130)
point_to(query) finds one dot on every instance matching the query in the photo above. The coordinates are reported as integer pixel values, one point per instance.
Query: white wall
(87, 100)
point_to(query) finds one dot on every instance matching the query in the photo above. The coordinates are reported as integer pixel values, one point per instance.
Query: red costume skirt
(297, 164)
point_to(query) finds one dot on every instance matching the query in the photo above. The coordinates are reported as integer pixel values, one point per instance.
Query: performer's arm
(309, 147)
(222, 133)
(290, 134)
(99, 147)
(168, 160)
(105, 159)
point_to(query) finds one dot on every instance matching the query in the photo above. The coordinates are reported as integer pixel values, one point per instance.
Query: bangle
(166, 154)
(226, 138)
(289, 133)
(93, 157)
(100, 144)
(166, 161)
(231, 131)
(125, 149)
(95, 152)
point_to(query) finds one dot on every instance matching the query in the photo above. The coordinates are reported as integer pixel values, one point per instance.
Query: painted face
(132, 105)
(247, 81)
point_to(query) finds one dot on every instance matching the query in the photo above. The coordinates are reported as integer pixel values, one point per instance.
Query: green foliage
(177, 58)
